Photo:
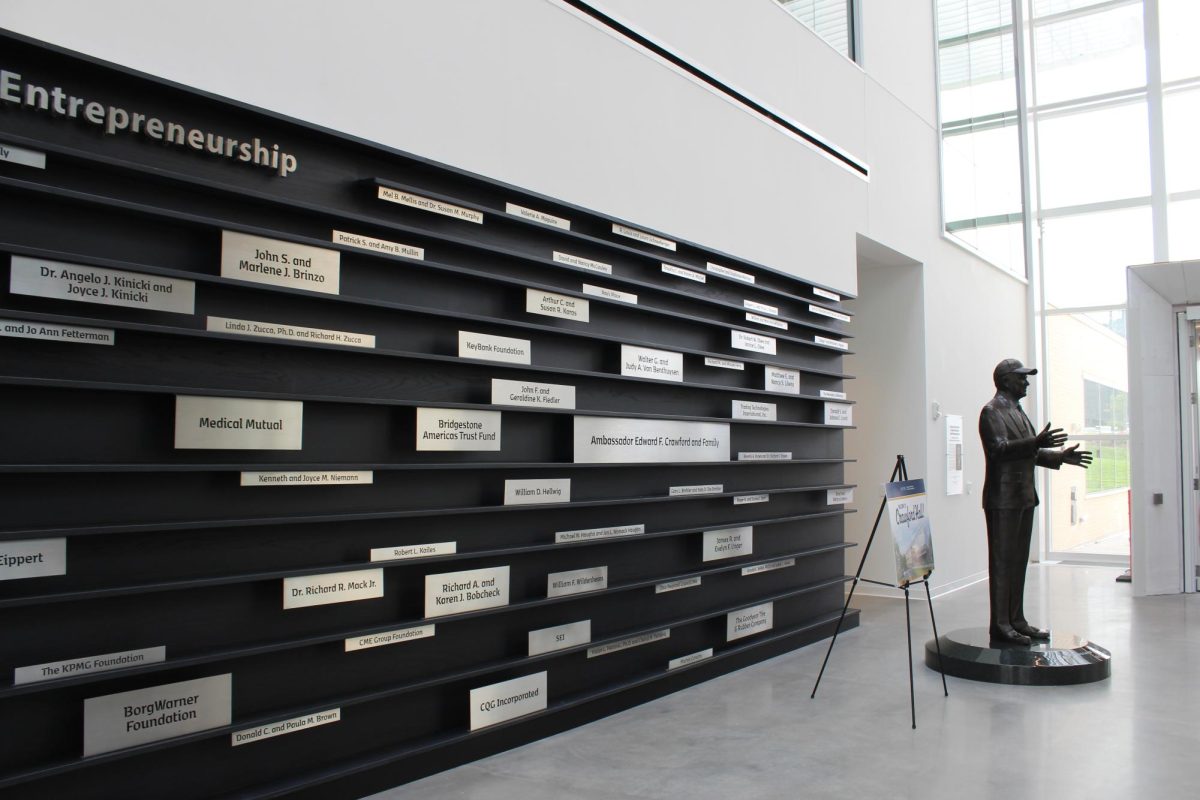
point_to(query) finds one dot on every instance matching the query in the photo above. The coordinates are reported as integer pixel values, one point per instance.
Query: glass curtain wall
(1112, 89)
(832, 20)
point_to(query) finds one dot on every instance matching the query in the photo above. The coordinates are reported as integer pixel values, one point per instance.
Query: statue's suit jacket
(1010, 447)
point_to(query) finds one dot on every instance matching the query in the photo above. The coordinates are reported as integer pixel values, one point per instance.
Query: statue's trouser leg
(1000, 532)
(1020, 563)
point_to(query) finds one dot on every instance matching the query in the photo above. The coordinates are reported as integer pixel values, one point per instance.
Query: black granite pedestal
(1062, 661)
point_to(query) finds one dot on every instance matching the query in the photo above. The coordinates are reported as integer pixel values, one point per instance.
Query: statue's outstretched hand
(1080, 458)
(1051, 438)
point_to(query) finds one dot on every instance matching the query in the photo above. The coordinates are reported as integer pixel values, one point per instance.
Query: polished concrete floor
(756, 734)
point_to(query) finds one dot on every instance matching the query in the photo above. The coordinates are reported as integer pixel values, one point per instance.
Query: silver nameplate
(610, 294)
(404, 552)
(728, 543)
(582, 263)
(293, 725)
(768, 321)
(737, 275)
(828, 394)
(587, 534)
(683, 661)
(646, 362)
(493, 348)
(674, 586)
(576, 581)
(298, 333)
(531, 491)
(749, 621)
(385, 638)
(834, 343)
(837, 298)
(741, 340)
(778, 455)
(696, 489)
(528, 393)
(825, 312)
(73, 334)
(562, 306)
(616, 440)
(643, 236)
(770, 566)
(70, 667)
(839, 497)
(751, 409)
(760, 307)
(750, 499)
(560, 637)
(467, 590)
(379, 245)
(680, 272)
(32, 558)
(332, 587)
(356, 478)
(236, 423)
(127, 719)
(724, 363)
(537, 216)
(457, 429)
(19, 155)
(59, 280)
(278, 263)
(429, 204)
(778, 379)
(500, 702)
(625, 644)
(839, 414)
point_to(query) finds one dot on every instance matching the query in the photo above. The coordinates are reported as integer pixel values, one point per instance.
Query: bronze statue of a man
(1012, 449)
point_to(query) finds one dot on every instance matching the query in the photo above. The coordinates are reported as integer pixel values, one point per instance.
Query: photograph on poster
(911, 534)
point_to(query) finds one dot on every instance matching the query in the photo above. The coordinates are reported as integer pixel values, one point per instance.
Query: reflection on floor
(756, 735)
(1116, 544)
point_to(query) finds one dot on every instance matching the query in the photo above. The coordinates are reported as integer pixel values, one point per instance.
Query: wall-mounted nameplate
(19, 155)
(680, 272)
(21, 329)
(378, 245)
(839, 414)
(646, 362)
(468, 590)
(332, 587)
(527, 393)
(742, 340)
(537, 216)
(405, 552)
(576, 581)
(674, 586)
(560, 637)
(778, 379)
(493, 348)
(457, 429)
(237, 423)
(582, 263)
(696, 489)
(728, 543)
(768, 321)
(429, 204)
(353, 478)
(54, 670)
(562, 306)
(32, 558)
(834, 343)
(751, 499)
(293, 725)
(643, 236)
(760, 455)
(531, 491)
(825, 312)
(625, 644)
(587, 534)
(829, 394)
(839, 497)
(751, 409)
(278, 263)
(683, 661)
(616, 440)
(770, 566)
(724, 363)
(126, 719)
(717, 269)
(385, 638)
(58, 280)
(760, 307)
(610, 294)
(276, 330)
(500, 702)
(749, 621)
(837, 298)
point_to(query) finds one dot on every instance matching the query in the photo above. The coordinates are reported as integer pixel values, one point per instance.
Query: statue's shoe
(1008, 636)
(1032, 632)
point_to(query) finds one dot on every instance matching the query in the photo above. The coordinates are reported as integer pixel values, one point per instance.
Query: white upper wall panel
(759, 49)
(899, 50)
(525, 91)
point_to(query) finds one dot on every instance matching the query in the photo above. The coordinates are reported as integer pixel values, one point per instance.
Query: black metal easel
(900, 472)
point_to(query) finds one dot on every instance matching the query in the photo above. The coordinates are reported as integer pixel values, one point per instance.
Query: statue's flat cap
(1009, 366)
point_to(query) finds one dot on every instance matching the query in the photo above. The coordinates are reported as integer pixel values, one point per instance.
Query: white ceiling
(1177, 281)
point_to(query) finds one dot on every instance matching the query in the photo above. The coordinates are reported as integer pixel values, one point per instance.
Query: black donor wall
(326, 467)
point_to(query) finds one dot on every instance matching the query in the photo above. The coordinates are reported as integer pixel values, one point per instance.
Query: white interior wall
(525, 91)
(1154, 440)
(528, 92)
